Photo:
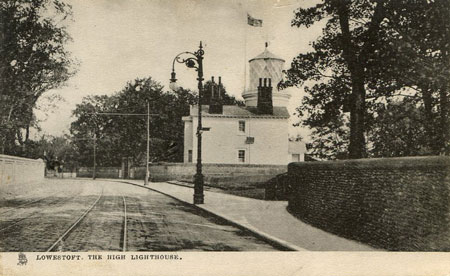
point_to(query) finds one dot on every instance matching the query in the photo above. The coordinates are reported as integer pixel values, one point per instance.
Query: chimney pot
(215, 105)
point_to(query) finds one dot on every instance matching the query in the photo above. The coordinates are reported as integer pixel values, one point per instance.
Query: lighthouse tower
(266, 66)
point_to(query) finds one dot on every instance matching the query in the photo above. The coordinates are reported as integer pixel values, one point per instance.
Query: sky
(116, 41)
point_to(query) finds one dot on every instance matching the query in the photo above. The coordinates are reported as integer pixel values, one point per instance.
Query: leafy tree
(59, 151)
(399, 130)
(125, 135)
(363, 56)
(165, 126)
(33, 60)
(330, 142)
(344, 50)
(90, 126)
(55, 150)
(421, 33)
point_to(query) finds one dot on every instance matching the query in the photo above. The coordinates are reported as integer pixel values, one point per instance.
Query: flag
(253, 21)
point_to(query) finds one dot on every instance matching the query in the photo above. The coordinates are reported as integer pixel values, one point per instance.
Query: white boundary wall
(18, 170)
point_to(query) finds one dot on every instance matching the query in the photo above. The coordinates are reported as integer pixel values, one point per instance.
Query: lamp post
(194, 60)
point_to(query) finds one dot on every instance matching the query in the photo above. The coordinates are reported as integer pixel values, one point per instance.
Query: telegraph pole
(95, 161)
(147, 172)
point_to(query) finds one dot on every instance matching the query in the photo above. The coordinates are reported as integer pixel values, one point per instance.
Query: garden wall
(100, 172)
(17, 169)
(390, 203)
(215, 174)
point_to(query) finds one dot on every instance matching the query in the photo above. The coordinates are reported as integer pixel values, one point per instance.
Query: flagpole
(266, 31)
(245, 53)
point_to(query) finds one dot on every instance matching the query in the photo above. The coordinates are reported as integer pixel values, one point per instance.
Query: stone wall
(390, 203)
(215, 174)
(222, 175)
(101, 172)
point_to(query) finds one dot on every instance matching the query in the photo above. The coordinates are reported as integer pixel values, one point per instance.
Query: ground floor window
(190, 156)
(241, 156)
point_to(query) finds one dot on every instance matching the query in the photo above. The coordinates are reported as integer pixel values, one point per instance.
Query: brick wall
(390, 203)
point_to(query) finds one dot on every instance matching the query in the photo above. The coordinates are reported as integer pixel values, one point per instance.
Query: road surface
(86, 215)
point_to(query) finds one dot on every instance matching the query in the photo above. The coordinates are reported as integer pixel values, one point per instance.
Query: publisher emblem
(22, 259)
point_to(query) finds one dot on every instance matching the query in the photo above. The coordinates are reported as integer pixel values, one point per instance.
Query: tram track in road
(38, 230)
(27, 204)
(67, 232)
(112, 217)
(124, 235)
(102, 226)
(35, 213)
(141, 224)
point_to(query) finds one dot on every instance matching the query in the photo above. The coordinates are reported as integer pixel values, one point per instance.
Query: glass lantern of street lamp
(173, 82)
(173, 85)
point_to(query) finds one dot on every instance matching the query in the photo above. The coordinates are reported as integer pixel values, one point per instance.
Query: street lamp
(194, 60)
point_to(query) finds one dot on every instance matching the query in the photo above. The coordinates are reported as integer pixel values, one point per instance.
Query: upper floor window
(242, 126)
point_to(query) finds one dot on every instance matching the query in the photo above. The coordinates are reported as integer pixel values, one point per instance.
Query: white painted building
(254, 134)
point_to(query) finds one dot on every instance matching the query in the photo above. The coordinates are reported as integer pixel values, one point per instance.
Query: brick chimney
(265, 105)
(215, 104)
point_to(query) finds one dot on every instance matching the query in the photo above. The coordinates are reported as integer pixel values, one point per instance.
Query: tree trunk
(443, 98)
(356, 68)
(357, 141)
(429, 118)
(27, 133)
(19, 136)
(445, 136)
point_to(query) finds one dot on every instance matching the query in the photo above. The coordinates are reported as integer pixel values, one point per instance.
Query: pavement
(269, 220)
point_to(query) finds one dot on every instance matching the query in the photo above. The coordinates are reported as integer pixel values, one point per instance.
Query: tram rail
(33, 214)
(28, 203)
(75, 224)
(124, 241)
(66, 235)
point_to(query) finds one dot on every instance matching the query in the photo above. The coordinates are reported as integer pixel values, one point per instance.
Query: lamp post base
(199, 197)
(147, 176)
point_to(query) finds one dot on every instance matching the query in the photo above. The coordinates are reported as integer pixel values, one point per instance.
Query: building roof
(266, 55)
(234, 111)
(297, 147)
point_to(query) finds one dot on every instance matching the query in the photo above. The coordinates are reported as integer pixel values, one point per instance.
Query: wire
(123, 114)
